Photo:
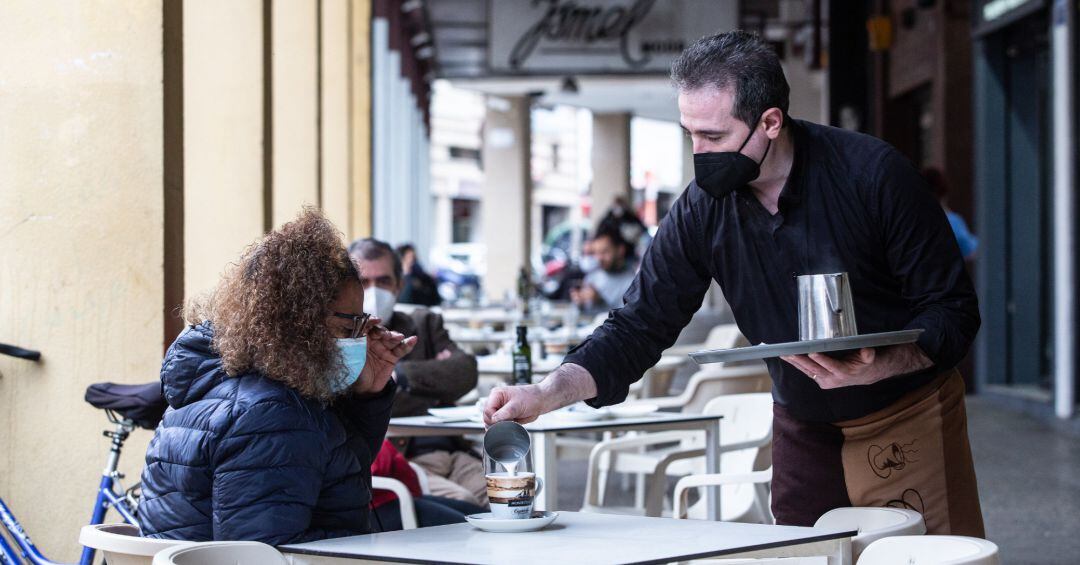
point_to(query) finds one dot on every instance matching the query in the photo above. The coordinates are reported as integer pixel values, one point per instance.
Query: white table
(503, 365)
(476, 337)
(597, 539)
(500, 315)
(544, 430)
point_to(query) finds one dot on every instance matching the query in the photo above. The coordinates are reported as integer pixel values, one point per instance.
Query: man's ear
(773, 118)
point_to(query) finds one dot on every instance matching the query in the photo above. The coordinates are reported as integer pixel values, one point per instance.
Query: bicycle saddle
(143, 404)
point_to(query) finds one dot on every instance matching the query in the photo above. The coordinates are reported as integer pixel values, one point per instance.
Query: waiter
(774, 198)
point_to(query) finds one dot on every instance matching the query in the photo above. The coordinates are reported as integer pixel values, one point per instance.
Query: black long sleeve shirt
(851, 203)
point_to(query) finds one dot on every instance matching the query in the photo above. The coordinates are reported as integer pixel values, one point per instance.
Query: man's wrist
(566, 385)
(905, 360)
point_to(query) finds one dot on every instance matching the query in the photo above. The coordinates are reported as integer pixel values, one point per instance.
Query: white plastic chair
(121, 544)
(705, 385)
(744, 497)
(873, 524)
(930, 550)
(221, 553)
(712, 382)
(408, 509)
(723, 336)
(421, 476)
(745, 433)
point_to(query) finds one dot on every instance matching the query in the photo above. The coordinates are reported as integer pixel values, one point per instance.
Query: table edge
(577, 426)
(734, 551)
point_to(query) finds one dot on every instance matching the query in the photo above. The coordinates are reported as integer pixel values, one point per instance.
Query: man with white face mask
(435, 373)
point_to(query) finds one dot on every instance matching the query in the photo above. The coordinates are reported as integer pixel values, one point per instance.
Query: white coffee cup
(512, 496)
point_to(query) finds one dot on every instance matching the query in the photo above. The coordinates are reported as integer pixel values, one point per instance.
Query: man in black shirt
(774, 198)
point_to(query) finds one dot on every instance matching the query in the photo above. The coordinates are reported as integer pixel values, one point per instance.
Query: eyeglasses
(359, 323)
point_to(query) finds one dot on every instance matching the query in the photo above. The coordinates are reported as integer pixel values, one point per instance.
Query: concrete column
(295, 84)
(1063, 41)
(334, 114)
(81, 244)
(223, 135)
(507, 194)
(444, 230)
(610, 162)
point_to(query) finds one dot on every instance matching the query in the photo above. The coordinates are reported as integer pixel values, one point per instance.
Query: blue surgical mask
(353, 357)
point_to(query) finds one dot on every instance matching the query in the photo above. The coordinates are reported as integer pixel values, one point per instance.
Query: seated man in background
(603, 288)
(436, 373)
(417, 285)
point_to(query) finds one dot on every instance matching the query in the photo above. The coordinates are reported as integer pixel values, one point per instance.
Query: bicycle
(127, 407)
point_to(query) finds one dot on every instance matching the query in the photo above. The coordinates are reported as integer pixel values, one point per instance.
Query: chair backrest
(221, 553)
(715, 381)
(930, 550)
(724, 336)
(873, 524)
(422, 477)
(121, 544)
(405, 498)
(747, 418)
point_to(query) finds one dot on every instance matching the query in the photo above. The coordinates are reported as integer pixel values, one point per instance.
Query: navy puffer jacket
(248, 458)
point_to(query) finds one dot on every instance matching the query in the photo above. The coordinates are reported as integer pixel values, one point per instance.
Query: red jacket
(390, 463)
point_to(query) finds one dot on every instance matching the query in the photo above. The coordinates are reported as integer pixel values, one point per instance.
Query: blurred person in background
(603, 287)
(279, 397)
(436, 373)
(968, 242)
(418, 287)
(623, 218)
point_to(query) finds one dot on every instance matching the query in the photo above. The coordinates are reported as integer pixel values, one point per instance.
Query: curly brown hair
(269, 311)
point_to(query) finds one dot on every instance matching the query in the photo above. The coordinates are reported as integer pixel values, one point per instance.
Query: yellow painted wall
(360, 133)
(83, 211)
(295, 104)
(80, 244)
(335, 112)
(223, 135)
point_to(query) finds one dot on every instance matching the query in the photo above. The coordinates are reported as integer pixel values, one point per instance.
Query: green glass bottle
(522, 358)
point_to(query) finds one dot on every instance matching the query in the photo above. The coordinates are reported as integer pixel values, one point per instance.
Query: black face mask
(722, 172)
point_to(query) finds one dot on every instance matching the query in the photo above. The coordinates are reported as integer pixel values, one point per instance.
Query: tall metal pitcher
(825, 306)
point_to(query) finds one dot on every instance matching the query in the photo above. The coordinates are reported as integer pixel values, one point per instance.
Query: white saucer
(633, 410)
(539, 521)
(580, 412)
(455, 413)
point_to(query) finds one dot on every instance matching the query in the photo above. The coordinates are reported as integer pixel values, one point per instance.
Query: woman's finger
(405, 347)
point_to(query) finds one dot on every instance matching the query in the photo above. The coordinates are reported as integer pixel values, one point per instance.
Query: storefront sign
(599, 36)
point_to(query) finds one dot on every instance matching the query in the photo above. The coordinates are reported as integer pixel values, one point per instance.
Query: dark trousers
(430, 511)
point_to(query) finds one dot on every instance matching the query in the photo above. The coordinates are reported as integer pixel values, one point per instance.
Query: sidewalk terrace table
(485, 337)
(544, 430)
(502, 365)
(485, 316)
(597, 539)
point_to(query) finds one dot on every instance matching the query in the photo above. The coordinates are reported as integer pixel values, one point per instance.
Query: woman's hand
(384, 349)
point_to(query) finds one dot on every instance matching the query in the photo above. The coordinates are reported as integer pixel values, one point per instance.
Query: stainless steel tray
(767, 350)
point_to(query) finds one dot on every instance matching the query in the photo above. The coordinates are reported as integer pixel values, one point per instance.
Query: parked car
(458, 269)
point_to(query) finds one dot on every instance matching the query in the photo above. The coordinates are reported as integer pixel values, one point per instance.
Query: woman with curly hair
(279, 396)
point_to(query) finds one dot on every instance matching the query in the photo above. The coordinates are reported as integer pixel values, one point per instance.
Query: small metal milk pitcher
(825, 307)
